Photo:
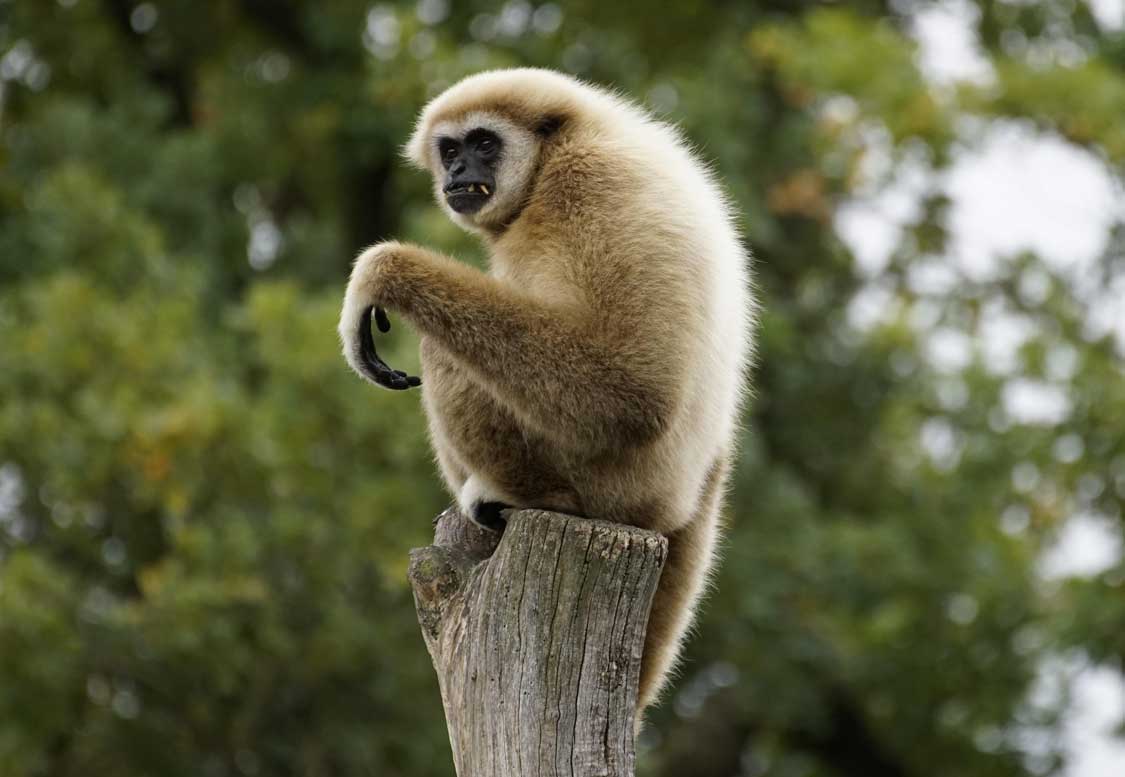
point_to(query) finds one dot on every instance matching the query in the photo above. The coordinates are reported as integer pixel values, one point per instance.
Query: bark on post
(537, 640)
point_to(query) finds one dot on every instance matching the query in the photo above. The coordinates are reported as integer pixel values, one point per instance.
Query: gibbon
(598, 367)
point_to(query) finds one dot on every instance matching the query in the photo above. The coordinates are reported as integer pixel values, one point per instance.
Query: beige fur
(598, 367)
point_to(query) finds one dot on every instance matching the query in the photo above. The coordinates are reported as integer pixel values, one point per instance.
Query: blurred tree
(204, 518)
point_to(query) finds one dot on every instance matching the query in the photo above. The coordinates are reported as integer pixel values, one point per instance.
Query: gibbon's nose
(458, 168)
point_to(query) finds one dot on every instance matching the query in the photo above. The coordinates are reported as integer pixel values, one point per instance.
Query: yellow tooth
(484, 188)
(472, 187)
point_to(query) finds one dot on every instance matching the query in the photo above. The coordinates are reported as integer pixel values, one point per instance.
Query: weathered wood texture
(537, 640)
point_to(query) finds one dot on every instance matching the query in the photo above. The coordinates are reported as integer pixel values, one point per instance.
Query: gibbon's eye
(448, 152)
(483, 142)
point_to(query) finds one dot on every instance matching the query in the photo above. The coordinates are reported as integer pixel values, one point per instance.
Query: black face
(470, 169)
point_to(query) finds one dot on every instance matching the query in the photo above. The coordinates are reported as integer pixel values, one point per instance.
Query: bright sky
(1014, 190)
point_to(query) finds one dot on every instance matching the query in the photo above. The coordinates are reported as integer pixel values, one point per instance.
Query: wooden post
(537, 640)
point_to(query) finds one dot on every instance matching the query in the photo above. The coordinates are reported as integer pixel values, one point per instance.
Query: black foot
(487, 515)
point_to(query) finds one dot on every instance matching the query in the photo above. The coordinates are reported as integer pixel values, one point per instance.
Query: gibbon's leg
(452, 471)
(558, 375)
(488, 461)
(685, 575)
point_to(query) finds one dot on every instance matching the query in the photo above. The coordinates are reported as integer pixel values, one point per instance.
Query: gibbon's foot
(487, 515)
(372, 365)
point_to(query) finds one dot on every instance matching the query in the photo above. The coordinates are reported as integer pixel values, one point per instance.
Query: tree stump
(537, 640)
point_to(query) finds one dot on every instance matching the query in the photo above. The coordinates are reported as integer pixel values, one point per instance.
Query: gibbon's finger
(372, 366)
(382, 321)
(413, 381)
(376, 369)
(378, 372)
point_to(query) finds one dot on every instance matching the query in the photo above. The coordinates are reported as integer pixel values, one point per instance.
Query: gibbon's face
(484, 165)
(470, 169)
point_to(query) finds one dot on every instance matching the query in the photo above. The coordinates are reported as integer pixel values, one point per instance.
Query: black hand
(374, 367)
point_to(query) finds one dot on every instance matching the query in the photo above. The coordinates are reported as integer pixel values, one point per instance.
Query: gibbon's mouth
(468, 197)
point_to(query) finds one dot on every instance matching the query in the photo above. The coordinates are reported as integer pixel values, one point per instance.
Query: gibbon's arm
(557, 375)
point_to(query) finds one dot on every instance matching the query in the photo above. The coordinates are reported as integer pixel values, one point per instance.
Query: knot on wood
(436, 574)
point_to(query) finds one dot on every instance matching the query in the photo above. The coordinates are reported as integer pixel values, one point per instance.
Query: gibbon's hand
(365, 291)
(374, 367)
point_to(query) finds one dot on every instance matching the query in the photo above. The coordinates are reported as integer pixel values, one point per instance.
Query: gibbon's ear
(548, 126)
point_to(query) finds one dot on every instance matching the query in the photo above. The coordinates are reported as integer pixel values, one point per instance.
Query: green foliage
(835, 51)
(205, 518)
(1082, 103)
